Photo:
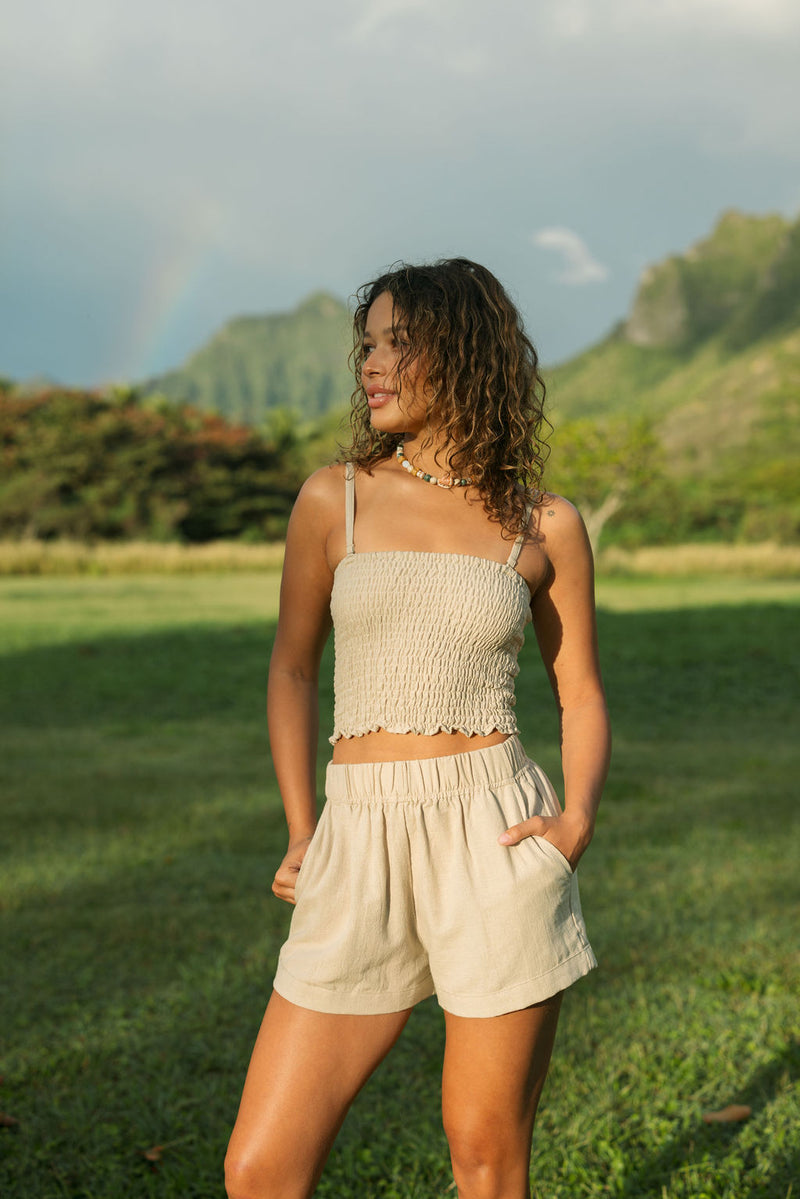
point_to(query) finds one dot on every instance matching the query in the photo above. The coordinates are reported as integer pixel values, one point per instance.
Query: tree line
(118, 466)
(89, 466)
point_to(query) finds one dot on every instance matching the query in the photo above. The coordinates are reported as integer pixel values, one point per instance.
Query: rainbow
(170, 283)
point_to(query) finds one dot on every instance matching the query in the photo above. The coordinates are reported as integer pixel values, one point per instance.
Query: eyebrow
(390, 331)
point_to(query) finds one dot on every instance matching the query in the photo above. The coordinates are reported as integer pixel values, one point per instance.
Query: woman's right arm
(304, 624)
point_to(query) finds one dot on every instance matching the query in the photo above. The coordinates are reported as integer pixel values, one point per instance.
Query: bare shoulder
(560, 527)
(317, 514)
(323, 489)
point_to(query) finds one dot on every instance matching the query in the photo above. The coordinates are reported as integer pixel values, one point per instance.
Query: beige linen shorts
(404, 891)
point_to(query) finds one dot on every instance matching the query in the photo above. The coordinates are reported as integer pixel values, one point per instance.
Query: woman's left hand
(570, 834)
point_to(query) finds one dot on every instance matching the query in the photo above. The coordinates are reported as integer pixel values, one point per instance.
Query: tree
(87, 465)
(600, 464)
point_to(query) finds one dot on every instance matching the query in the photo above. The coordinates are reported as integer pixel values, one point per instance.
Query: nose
(373, 363)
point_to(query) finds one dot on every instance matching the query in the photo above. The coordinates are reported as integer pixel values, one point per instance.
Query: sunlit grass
(141, 825)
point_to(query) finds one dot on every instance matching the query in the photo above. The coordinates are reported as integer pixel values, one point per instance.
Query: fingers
(286, 874)
(284, 882)
(534, 827)
(283, 891)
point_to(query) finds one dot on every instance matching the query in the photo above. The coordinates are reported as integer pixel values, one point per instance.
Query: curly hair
(485, 393)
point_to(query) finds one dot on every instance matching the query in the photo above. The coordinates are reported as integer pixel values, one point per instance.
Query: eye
(366, 349)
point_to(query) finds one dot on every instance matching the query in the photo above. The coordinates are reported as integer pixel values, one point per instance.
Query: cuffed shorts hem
(512, 999)
(344, 1003)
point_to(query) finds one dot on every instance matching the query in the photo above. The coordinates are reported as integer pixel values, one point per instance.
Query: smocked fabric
(425, 642)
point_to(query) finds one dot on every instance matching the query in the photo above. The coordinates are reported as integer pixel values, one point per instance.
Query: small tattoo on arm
(551, 512)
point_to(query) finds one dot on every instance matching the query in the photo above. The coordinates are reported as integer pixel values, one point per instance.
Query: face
(397, 402)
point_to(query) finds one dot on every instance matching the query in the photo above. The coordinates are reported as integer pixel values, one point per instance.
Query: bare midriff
(381, 746)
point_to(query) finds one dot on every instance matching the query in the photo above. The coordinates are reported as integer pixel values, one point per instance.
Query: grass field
(140, 828)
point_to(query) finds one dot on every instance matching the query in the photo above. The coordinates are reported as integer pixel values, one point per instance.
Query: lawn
(140, 829)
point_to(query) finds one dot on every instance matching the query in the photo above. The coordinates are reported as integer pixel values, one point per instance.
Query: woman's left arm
(564, 621)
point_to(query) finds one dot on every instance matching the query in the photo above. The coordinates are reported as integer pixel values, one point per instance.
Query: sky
(165, 167)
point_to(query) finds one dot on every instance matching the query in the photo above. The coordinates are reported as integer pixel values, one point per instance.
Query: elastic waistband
(419, 779)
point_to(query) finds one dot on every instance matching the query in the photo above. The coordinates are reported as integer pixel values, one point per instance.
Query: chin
(384, 422)
(396, 423)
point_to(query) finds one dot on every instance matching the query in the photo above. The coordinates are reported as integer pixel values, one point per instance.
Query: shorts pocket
(307, 864)
(552, 851)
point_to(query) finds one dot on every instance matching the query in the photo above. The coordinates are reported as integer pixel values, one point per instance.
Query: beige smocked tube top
(425, 642)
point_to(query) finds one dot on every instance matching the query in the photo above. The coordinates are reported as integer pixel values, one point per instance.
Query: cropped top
(425, 642)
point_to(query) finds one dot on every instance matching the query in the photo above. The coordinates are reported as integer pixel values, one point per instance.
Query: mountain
(254, 364)
(710, 350)
(709, 354)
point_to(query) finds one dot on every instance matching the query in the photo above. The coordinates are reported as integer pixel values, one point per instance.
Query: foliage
(689, 297)
(600, 464)
(143, 823)
(87, 466)
(707, 365)
(721, 394)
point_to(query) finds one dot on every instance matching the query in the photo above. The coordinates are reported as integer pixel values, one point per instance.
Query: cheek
(414, 393)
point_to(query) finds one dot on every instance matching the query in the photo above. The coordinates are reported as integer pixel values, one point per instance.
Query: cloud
(377, 14)
(766, 19)
(579, 264)
(305, 144)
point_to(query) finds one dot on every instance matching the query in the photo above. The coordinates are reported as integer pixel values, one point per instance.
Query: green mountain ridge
(694, 315)
(712, 338)
(255, 364)
(708, 356)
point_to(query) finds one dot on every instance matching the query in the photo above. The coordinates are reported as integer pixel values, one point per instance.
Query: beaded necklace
(446, 481)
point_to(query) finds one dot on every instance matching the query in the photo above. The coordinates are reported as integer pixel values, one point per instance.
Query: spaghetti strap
(349, 505)
(517, 546)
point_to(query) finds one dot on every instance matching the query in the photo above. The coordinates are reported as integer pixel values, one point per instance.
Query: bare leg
(494, 1071)
(306, 1069)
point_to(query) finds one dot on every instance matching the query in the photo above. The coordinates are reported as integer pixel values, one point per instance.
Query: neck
(433, 458)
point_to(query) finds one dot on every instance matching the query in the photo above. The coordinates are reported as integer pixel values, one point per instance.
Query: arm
(304, 624)
(564, 620)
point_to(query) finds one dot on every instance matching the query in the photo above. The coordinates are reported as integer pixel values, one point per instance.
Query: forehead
(382, 317)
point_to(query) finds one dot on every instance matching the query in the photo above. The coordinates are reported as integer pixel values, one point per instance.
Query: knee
(490, 1159)
(261, 1178)
(245, 1179)
(241, 1181)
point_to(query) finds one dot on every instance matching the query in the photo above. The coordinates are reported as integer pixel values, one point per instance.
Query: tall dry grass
(31, 557)
(766, 560)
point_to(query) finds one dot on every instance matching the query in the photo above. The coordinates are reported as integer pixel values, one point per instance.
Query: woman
(442, 861)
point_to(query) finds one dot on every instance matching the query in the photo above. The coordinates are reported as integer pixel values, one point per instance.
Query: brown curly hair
(485, 393)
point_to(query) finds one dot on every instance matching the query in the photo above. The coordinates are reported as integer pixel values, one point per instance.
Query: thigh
(305, 1071)
(494, 1071)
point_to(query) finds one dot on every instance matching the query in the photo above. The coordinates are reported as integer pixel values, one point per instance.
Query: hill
(729, 306)
(255, 364)
(709, 355)
(708, 358)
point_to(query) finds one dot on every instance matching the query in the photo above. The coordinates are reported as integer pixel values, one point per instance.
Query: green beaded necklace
(446, 481)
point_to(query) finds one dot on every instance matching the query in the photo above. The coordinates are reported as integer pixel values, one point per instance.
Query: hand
(286, 874)
(570, 834)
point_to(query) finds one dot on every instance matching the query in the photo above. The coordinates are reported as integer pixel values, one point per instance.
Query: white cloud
(579, 266)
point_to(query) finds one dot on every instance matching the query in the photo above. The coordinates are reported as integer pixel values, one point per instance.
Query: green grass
(141, 825)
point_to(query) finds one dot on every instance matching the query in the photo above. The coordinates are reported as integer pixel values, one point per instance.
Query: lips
(376, 397)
